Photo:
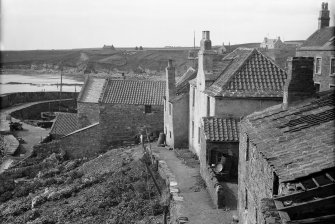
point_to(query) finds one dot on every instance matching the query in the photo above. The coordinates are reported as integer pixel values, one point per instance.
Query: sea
(11, 83)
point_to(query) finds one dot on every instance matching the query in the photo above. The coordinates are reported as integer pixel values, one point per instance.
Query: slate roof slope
(91, 91)
(182, 83)
(133, 92)
(221, 129)
(297, 142)
(248, 74)
(64, 124)
(320, 39)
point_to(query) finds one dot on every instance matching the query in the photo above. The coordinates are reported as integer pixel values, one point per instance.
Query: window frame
(332, 86)
(316, 62)
(332, 65)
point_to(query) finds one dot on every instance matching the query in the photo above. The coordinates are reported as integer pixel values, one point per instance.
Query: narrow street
(197, 204)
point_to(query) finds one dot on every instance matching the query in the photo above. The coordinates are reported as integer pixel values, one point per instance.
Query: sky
(69, 24)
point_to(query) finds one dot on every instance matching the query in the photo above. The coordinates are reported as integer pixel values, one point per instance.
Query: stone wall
(84, 142)
(325, 78)
(10, 99)
(255, 181)
(34, 112)
(88, 113)
(121, 122)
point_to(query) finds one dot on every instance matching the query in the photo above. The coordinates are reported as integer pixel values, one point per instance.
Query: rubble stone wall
(88, 113)
(325, 78)
(121, 122)
(255, 182)
(82, 143)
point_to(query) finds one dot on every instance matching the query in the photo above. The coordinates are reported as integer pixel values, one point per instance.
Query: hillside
(49, 188)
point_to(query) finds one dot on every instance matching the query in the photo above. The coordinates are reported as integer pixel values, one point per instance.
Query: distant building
(272, 43)
(176, 107)
(108, 47)
(129, 108)
(321, 46)
(286, 155)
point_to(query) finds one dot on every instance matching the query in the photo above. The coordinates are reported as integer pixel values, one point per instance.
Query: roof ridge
(274, 63)
(239, 67)
(103, 90)
(81, 93)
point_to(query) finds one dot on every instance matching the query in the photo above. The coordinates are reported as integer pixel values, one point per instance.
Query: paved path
(197, 206)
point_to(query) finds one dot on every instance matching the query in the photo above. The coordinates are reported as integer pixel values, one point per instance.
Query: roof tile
(221, 129)
(133, 92)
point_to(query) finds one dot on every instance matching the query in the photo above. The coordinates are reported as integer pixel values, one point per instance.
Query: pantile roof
(133, 92)
(91, 90)
(64, 124)
(297, 142)
(221, 129)
(248, 73)
(320, 39)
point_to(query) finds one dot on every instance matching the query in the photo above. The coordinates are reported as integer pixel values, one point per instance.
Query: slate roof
(133, 92)
(91, 90)
(297, 142)
(321, 39)
(247, 72)
(64, 124)
(182, 83)
(220, 129)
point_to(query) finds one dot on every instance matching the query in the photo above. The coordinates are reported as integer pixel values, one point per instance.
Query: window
(170, 109)
(192, 129)
(332, 87)
(208, 106)
(332, 66)
(199, 135)
(147, 109)
(318, 66)
(246, 199)
(247, 149)
(317, 87)
(193, 98)
(275, 187)
(170, 134)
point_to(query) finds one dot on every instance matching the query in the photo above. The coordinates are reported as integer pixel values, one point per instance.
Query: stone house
(321, 46)
(88, 101)
(176, 107)
(129, 108)
(240, 83)
(272, 43)
(286, 155)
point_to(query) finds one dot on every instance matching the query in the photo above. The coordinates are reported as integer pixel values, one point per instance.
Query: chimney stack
(205, 43)
(170, 81)
(324, 16)
(299, 84)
